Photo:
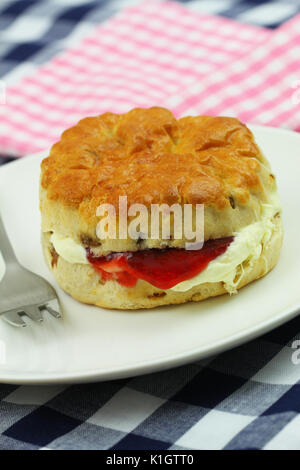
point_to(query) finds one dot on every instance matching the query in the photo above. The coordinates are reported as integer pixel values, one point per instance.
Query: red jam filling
(161, 268)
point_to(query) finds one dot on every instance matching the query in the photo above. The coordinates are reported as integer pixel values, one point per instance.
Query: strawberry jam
(161, 268)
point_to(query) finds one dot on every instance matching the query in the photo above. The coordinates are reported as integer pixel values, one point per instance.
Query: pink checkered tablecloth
(162, 55)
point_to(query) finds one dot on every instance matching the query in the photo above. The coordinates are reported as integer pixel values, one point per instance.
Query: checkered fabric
(148, 53)
(247, 398)
(33, 31)
(158, 54)
(262, 87)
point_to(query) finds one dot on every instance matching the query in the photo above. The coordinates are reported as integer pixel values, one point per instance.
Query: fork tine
(52, 307)
(22, 292)
(52, 312)
(34, 313)
(13, 318)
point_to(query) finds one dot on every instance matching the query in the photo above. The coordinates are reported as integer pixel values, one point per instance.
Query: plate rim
(160, 364)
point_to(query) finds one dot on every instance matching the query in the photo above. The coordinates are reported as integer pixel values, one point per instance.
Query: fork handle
(5, 245)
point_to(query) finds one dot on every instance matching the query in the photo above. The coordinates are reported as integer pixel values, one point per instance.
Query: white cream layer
(68, 249)
(247, 246)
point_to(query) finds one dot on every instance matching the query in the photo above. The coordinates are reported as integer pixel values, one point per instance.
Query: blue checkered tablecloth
(247, 398)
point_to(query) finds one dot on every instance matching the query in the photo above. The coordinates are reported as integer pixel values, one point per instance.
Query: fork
(23, 293)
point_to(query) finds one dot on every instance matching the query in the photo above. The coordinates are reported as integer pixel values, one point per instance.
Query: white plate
(97, 344)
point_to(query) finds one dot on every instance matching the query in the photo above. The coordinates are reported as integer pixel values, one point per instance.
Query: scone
(152, 160)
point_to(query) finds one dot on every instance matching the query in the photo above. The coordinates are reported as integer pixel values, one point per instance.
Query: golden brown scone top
(151, 157)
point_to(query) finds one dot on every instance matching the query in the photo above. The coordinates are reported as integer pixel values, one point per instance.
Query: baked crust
(149, 156)
(83, 283)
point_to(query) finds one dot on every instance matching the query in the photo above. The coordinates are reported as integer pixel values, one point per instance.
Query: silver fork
(21, 291)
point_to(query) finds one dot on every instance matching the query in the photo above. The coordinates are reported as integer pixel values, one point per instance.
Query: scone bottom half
(153, 158)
